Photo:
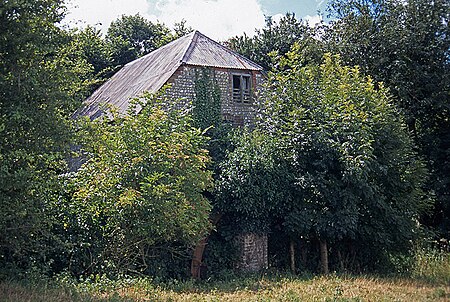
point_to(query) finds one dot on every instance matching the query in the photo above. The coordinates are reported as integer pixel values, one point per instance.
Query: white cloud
(218, 19)
(100, 13)
(320, 2)
(277, 18)
(313, 20)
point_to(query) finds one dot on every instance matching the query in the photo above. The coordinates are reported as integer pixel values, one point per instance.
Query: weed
(432, 265)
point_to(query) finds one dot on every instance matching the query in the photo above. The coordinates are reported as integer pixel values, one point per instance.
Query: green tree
(39, 87)
(354, 163)
(131, 37)
(335, 163)
(87, 46)
(278, 38)
(181, 29)
(406, 44)
(141, 187)
(93, 48)
(252, 182)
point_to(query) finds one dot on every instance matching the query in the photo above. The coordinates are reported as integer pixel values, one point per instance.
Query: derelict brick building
(178, 63)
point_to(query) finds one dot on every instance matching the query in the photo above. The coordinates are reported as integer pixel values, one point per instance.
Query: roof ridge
(231, 51)
(160, 49)
(190, 46)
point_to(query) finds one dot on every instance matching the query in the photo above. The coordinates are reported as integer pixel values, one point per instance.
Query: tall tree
(140, 189)
(355, 169)
(278, 38)
(406, 45)
(330, 158)
(93, 48)
(131, 37)
(39, 83)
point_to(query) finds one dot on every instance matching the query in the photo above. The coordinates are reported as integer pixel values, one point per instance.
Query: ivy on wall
(206, 111)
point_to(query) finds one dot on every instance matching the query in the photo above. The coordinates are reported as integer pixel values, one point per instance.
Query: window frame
(241, 95)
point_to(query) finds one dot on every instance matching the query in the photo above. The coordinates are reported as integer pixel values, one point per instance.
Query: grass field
(263, 288)
(428, 280)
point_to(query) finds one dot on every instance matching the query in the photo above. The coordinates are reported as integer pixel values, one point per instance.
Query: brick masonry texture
(252, 252)
(238, 114)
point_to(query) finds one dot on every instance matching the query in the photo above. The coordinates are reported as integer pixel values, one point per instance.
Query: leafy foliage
(206, 106)
(181, 29)
(353, 161)
(131, 37)
(405, 44)
(277, 38)
(93, 48)
(141, 186)
(330, 158)
(40, 84)
(249, 186)
(341, 133)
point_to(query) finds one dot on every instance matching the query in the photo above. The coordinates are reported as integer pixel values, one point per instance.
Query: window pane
(236, 88)
(236, 82)
(241, 88)
(246, 89)
(246, 82)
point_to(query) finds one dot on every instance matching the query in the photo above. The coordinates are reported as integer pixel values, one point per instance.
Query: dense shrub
(139, 195)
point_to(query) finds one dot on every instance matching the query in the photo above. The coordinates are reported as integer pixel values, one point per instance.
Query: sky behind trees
(219, 19)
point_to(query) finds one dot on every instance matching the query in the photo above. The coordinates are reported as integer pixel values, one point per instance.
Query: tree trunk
(341, 261)
(324, 256)
(197, 258)
(292, 254)
(354, 261)
(303, 252)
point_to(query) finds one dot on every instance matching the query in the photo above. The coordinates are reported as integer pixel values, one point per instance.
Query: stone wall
(252, 252)
(239, 114)
(182, 84)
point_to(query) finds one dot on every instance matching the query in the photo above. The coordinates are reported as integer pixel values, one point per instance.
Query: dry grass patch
(316, 289)
(331, 288)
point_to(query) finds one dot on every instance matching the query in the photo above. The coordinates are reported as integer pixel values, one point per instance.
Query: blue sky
(219, 19)
(300, 7)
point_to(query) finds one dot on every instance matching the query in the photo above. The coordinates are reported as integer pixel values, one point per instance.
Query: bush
(140, 194)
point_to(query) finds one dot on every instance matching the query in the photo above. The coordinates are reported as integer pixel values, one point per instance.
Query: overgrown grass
(428, 280)
(432, 265)
(256, 288)
(43, 292)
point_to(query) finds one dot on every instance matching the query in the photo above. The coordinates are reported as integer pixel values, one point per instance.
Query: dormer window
(241, 88)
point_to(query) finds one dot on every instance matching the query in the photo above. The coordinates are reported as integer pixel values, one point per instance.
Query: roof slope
(153, 70)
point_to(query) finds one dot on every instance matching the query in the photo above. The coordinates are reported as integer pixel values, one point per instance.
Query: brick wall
(239, 114)
(252, 252)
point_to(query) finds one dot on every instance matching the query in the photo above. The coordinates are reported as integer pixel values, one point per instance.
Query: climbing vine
(206, 111)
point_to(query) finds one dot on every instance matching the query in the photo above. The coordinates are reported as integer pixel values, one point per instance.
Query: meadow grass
(428, 280)
(255, 288)
(432, 265)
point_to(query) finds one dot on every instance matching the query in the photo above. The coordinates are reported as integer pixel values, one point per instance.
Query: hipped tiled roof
(153, 70)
